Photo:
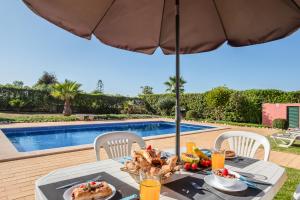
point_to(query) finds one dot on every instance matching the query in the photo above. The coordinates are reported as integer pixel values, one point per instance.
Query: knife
(67, 185)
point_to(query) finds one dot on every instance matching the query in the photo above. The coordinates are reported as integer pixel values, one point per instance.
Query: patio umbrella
(176, 26)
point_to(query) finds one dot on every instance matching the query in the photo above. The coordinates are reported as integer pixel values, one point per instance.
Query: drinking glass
(217, 159)
(189, 147)
(149, 186)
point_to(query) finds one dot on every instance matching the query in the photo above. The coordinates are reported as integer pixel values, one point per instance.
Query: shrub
(216, 100)
(191, 114)
(17, 104)
(166, 106)
(133, 107)
(280, 123)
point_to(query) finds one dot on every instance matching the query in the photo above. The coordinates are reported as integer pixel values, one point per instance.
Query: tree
(18, 84)
(99, 88)
(147, 89)
(47, 79)
(66, 91)
(171, 84)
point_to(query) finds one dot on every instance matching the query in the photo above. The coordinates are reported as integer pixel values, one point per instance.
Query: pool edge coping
(12, 153)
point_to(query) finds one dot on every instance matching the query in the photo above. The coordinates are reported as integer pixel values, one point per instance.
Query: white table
(275, 175)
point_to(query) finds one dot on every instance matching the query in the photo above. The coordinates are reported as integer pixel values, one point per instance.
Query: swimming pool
(40, 138)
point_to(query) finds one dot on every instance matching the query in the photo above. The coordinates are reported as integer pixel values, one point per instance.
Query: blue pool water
(39, 138)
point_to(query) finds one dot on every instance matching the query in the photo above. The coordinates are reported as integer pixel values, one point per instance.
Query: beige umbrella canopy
(144, 25)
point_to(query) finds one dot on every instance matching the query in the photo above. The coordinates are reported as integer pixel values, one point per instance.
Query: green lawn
(33, 117)
(289, 187)
(295, 149)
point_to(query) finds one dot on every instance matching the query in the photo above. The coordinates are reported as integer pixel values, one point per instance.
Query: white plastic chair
(117, 144)
(244, 143)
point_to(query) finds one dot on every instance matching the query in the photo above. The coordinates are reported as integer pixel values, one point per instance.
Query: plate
(68, 193)
(230, 158)
(239, 186)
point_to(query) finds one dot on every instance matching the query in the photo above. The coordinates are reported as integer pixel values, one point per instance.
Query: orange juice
(189, 147)
(217, 160)
(149, 189)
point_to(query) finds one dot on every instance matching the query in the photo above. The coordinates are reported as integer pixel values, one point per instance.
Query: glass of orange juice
(149, 186)
(217, 159)
(189, 147)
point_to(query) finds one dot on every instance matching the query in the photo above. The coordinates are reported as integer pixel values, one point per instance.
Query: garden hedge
(220, 104)
(41, 101)
(239, 106)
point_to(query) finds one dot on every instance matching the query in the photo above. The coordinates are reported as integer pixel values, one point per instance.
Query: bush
(216, 100)
(17, 104)
(191, 114)
(166, 106)
(134, 107)
(280, 123)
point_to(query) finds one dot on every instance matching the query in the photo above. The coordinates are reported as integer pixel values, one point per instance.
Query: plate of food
(90, 191)
(153, 161)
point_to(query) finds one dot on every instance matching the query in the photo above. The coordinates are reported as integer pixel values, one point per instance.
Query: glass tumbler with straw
(149, 186)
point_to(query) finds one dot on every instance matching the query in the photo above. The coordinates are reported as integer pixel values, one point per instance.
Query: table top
(274, 175)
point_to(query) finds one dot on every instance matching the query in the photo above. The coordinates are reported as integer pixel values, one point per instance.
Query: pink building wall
(272, 111)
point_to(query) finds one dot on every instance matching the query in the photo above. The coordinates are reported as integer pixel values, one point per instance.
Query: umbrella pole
(177, 108)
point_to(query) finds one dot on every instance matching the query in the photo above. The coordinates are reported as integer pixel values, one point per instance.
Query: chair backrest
(244, 143)
(117, 144)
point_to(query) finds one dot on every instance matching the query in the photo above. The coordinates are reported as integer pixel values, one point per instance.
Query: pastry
(229, 154)
(150, 161)
(91, 191)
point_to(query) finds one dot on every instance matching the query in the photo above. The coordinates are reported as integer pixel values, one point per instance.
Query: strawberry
(93, 183)
(208, 163)
(187, 166)
(82, 186)
(225, 172)
(149, 148)
(194, 166)
(203, 163)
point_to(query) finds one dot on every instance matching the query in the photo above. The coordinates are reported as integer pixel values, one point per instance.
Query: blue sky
(29, 45)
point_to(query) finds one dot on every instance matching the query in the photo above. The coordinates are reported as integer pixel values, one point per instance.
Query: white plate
(231, 158)
(239, 186)
(68, 193)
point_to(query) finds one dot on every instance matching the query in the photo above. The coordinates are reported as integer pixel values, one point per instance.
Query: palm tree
(66, 91)
(171, 84)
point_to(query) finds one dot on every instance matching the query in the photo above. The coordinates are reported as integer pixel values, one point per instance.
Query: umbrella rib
(296, 4)
(101, 18)
(161, 23)
(221, 21)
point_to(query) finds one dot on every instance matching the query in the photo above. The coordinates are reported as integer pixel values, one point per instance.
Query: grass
(289, 187)
(36, 117)
(230, 123)
(295, 148)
